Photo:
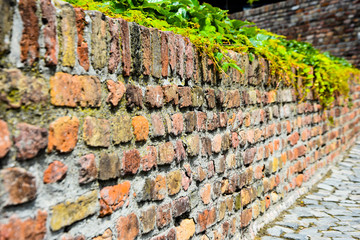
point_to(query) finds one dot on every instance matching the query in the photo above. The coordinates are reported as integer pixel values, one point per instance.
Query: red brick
(30, 228)
(201, 121)
(163, 215)
(189, 53)
(180, 206)
(232, 99)
(73, 90)
(213, 123)
(149, 161)
(29, 45)
(96, 132)
(18, 186)
(49, 15)
(113, 197)
(166, 153)
(82, 46)
(88, 171)
(294, 138)
(158, 128)
(5, 139)
(185, 96)
(55, 172)
(249, 155)
(205, 219)
(258, 173)
(205, 193)
(164, 54)
(180, 152)
(125, 45)
(115, 53)
(130, 162)
(154, 96)
(177, 124)
(186, 179)
(116, 92)
(141, 128)
(63, 134)
(127, 227)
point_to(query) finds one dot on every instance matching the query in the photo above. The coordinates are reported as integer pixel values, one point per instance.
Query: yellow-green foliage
(213, 33)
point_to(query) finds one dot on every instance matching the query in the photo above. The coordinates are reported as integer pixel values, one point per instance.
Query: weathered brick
(249, 155)
(18, 186)
(205, 146)
(130, 162)
(73, 90)
(29, 45)
(49, 16)
(113, 197)
(96, 132)
(173, 181)
(158, 191)
(154, 96)
(223, 119)
(180, 152)
(116, 92)
(163, 215)
(190, 121)
(201, 121)
(115, 52)
(150, 159)
(156, 66)
(177, 124)
(148, 219)
(245, 217)
(5, 139)
(121, 127)
(125, 46)
(185, 230)
(210, 98)
(30, 228)
(164, 53)
(146, 49)
(185, 96)
(158, 128)
(136, 53)
(193, 145)
(68, 33)
(232, 99)
(294, 138)
(197, 96)
(169, 235)
(171, 94)
(65, 214)
(189, 53)
(225, 142)
(107, 235)
(180, 51)
(109, 166)
(30, 140)
(166, 153)
(141, 128)
(63, 134)
(205, 219)
(127, 227)
(205, 193)
(56, 171)
(134, 96)
(186, 177)
(87, 171)
(180, 206)
(216, 143)
(6, 21)
(213, 123)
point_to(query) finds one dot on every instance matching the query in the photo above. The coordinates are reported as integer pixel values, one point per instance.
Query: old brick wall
(110, 130)
(332, 26)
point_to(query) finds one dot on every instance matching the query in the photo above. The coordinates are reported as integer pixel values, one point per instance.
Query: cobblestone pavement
(331, 211)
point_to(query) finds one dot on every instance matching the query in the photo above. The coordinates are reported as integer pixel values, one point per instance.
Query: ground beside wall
(110, 130)
(331, 26)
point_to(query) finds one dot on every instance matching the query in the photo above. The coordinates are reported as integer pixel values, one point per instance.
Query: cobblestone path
(331, 211)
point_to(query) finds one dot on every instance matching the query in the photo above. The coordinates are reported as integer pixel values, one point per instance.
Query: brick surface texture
(110, 130)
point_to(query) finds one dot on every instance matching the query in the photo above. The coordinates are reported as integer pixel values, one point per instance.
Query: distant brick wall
(110, 130)
(332, 26)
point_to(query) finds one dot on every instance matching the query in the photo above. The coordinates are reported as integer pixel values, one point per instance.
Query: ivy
(214, 33)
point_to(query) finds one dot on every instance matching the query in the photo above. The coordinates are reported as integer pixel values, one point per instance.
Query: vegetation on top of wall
(212, 32)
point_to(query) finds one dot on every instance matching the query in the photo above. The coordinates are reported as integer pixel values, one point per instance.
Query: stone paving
(331, 211)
